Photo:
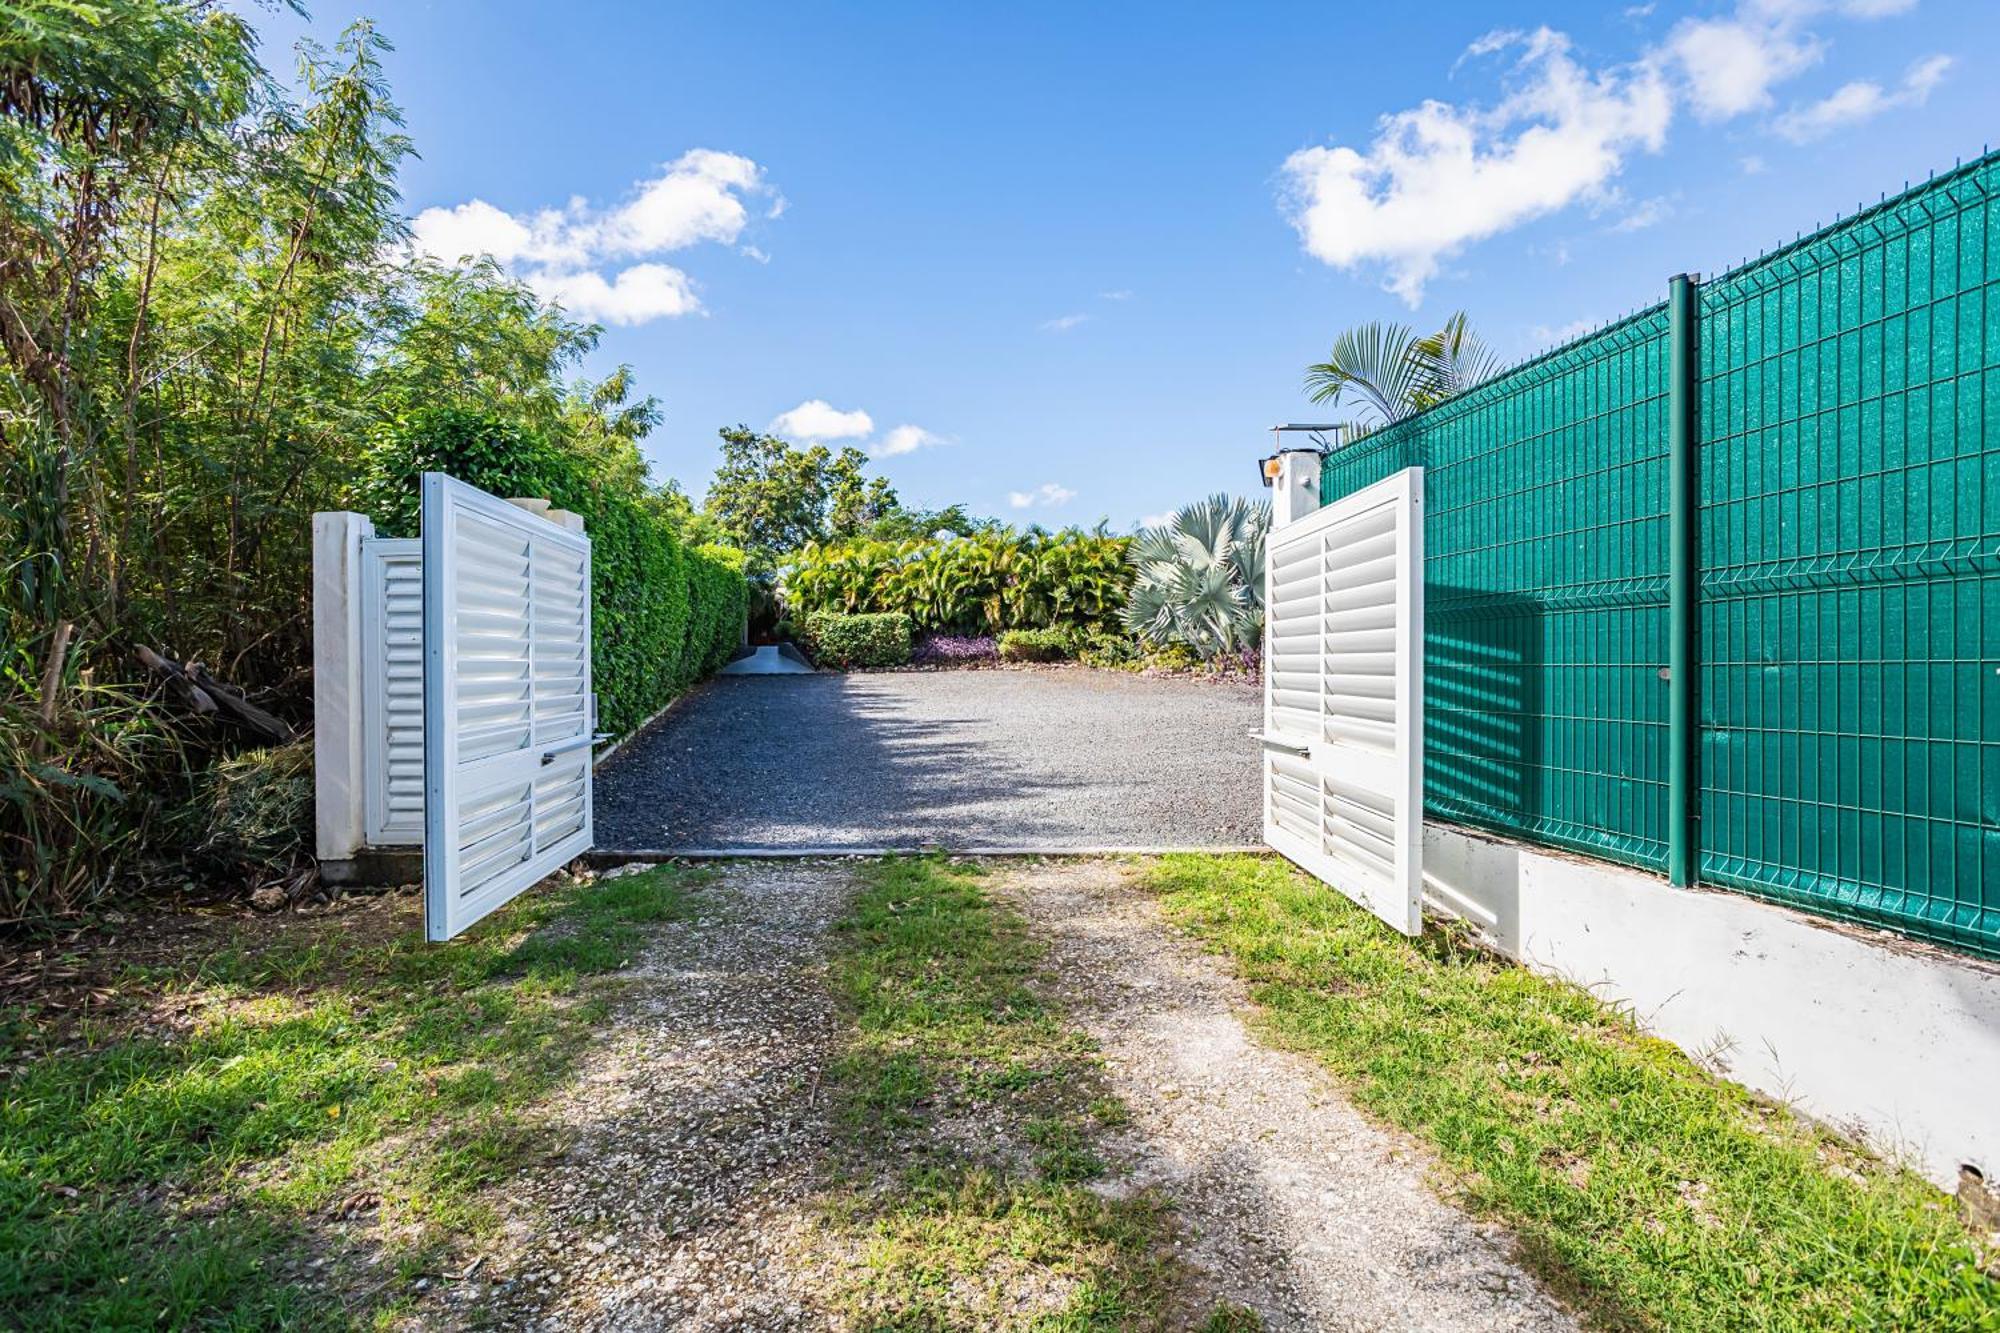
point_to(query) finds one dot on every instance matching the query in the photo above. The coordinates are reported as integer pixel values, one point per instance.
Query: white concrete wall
(338, 791)
(1295, 490)
(1895, 1042)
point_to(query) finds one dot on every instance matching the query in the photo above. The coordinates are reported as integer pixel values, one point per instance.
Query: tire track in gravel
(696, 1134)
(1290, 1200)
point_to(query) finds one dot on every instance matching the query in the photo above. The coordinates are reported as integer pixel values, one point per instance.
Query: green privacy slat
(1545, 567)
(1848, 547)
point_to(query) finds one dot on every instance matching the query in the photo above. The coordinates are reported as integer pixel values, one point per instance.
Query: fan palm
(1396, 371)
(1198, 579)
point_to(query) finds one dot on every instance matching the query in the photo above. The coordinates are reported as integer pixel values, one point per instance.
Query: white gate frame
(392, 687)
(501, 793)
(366, 734)
(1351, 780)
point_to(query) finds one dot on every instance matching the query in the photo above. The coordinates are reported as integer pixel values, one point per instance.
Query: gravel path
(1060, 758)
(1291, 1201)
(685, 1197)
(700, 1141)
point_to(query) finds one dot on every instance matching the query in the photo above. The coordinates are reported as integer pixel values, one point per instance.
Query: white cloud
(1646, 213)
(563, 252)
(1047, 494)
(1120, 294)
(1063, 323)
(640, 293)
(817, 419)
(1861, 100)
(697, 198)
(1731, 64)
(1440, 177)
(1155, 520)
(1544, 336)
(473, 228)
(1752, 164)
(904, 440)
(1556, 252)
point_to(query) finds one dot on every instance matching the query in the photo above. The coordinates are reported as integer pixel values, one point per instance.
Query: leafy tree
(919, 524)
(771, 497)
(1395, 372)
(210, 324)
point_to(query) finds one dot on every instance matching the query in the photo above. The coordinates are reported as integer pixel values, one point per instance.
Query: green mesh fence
(1545, 592)
(1846, 419)
(1848, 414)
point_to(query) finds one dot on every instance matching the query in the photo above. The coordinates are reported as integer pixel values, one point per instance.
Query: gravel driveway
(1049, 759)
(1293, 1202)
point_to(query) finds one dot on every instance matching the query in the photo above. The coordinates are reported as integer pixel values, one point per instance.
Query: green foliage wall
(986, 583)
(663, 615)
(844, 642)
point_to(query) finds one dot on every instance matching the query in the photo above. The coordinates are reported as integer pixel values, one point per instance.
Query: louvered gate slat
(1343, 696)
(507, 704)
(392, 627)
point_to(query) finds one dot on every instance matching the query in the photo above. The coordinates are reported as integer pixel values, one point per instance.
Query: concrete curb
(611, 856)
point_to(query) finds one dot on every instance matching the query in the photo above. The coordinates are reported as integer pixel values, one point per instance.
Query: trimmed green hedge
(663, 615)
(985, 583)
(844, 642)
(1038, 645)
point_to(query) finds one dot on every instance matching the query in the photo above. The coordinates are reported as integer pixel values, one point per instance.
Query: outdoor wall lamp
(1268, 467)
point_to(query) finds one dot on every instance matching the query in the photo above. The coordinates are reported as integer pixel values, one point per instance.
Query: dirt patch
(103, 973)
(695, 1135)
(1292, 1203)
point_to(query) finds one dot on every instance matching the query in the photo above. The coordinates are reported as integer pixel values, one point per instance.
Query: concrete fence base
(1890, 1040)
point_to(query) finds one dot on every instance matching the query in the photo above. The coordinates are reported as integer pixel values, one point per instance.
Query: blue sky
(1067, 262)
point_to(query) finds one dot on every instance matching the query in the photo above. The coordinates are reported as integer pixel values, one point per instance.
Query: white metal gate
(392, 688)
(508, 712)
(1343, 696)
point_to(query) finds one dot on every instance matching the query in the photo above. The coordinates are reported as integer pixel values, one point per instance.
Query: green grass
(973, 1117)
(195, 1179)
(1649, 1192)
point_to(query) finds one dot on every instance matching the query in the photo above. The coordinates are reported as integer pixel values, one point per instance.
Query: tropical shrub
(210, 311)
(662, 615)
(1037, 645)
(845, 642)
(1199, 577)
(1107, 650)
(982, 584)
(87, 777)
(255, 812)
(954, 650)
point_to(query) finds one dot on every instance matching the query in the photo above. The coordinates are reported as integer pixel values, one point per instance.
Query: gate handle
(554, 752)
(1277, 743)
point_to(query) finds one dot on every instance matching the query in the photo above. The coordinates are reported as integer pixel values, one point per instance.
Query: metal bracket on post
(1683, 496)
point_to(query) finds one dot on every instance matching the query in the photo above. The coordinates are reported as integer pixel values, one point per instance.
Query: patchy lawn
(1650, 1193)
(290, 1122)
(973, 1115)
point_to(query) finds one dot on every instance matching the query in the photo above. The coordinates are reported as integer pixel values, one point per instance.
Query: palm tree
(1198, 578)
(1397, 372)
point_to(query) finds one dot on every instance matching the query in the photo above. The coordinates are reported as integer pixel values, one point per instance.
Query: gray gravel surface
(1289, 1200)
(1052, 758)
(699, 1140)
(696, 1135)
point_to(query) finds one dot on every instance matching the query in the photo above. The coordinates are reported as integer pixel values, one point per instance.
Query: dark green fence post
(1682, 497)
